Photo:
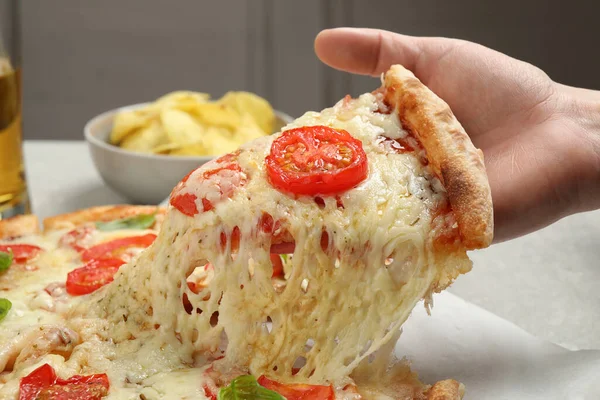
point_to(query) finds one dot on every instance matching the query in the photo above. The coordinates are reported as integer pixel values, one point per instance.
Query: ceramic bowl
(141, 178)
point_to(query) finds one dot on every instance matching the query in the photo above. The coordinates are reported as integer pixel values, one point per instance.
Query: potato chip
(193, 149)
(181, 96)
(145, 139)
(217, 114)
(166, 148)
(181, 128)
(126, 122)
(186, 123)
(219, 142)
(248, 130)
(257, 107)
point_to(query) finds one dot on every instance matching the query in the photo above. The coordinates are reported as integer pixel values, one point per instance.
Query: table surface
(546, 282)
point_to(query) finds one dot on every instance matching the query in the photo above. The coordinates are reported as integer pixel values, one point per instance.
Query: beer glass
(13, 188)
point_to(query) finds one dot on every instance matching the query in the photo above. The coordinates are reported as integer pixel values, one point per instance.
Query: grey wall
(82, 58)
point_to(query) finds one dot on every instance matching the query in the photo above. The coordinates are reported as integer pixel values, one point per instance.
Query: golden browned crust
(28, 224)
(451, 154)
(448, 389)
(101, 213)
(398, 381)
(19, 226)
(411, 388)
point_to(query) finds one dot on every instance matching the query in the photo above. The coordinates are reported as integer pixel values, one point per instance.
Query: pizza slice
(287, 267)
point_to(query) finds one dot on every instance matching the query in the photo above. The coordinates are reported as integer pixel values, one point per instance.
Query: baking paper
(493, 358)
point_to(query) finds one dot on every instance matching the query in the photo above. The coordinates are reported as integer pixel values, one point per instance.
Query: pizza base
(450, 189)
(101, 213)
(446, 390)
(22, 225)
(19, 225)
(406, 385)
(451, 154)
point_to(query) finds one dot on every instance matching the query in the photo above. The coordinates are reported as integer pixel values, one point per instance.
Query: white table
(547, 282)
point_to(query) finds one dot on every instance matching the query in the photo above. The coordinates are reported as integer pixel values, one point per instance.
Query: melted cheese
(337, 307)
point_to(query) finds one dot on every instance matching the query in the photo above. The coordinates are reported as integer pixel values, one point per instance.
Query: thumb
(373, 51)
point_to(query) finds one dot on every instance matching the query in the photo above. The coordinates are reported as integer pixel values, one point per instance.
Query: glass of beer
(13, 188)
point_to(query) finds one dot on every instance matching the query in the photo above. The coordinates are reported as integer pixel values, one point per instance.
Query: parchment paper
(492, 357)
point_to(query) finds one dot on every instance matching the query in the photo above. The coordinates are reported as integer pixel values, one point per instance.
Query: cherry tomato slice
(77, 238)
(80, 391)
(91, 387)
(21, 252)
(277, 265)
(316, 160)
(43, 384)
(220, 184)
(186, 203)
(92, 276)
(208, 393)
(31, 385)
(197, 286)
(298, 391)
(281, 240)
(228, 158)
(115, 248)
(283, 248)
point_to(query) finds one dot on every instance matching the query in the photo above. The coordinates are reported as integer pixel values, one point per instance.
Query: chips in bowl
(186, 123)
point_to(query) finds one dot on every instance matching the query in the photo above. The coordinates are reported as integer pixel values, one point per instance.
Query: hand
(541, 140)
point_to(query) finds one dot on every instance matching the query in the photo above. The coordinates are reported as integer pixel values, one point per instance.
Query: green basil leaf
(142, 221)
(6, 260)
(245, 387)
(5, 306)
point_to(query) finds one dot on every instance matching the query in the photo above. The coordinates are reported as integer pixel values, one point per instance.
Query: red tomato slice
(77, 238)
(298, 391)
(316, 160)
(32, 384)
(21, 252)
(115, 248)
(43, 384)
(209, 393)
(77, 387)
(196, 287)
(186, 203)
(233, 238)
(282, 242)
(92, 276)
(277, 265)
(85, 391)
(227, 158)
(217, 185)
(283, 248)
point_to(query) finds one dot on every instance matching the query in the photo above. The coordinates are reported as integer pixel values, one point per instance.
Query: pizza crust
(29, 224)
(448, 389)
(18, 226)
(451, 154)
(102, 213)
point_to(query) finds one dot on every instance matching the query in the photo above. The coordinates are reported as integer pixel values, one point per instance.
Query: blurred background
(82, 58)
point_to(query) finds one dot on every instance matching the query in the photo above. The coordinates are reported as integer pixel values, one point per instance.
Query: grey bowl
(141, 178)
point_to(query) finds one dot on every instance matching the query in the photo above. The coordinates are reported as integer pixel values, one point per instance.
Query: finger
(367, 51)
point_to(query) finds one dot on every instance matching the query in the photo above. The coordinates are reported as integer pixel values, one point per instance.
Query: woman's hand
(541, 140)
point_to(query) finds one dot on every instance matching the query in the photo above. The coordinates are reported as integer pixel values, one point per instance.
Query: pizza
(282, 270)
